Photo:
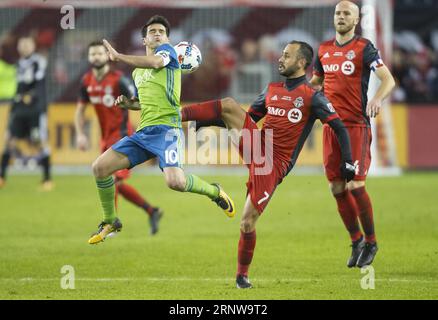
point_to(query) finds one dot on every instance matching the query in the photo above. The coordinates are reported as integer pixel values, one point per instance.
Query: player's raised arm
(324, 111)
(149, 61)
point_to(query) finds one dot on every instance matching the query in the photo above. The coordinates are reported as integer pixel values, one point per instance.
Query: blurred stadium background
(240, 46)
(240, 42)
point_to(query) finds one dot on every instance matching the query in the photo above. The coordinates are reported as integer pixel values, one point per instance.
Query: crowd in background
(414, 61)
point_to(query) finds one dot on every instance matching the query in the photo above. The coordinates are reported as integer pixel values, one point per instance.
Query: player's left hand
(122, 102)
(348, 170)
(373, 107)
(113, 54)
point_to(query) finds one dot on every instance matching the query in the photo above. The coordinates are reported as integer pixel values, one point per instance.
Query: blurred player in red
(343, 66)
(290, 109)
(99, 87)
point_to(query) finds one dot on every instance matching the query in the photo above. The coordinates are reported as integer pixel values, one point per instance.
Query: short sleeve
(322, 108)
(257, 109)
(317, 67)
(83, 93)
(168, 53)
(371, 57)
(41, 67)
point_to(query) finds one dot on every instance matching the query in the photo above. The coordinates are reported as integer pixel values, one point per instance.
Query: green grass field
(301, 248)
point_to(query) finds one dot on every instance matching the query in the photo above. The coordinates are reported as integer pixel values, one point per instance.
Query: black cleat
(154, 218)
(356, 249)
(367, 255)
(242, 282)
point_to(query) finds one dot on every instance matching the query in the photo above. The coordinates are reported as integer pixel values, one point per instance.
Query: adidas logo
(326, 55)
(274, 98)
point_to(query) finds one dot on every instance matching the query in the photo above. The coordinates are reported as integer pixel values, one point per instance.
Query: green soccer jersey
(159, 91)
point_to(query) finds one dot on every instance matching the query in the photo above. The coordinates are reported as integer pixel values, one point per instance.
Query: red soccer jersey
(346, 70)
(114, 121)
(290, 109)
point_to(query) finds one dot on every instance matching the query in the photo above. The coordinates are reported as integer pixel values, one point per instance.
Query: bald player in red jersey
(99, 87)
(290, 109)
(343, 66)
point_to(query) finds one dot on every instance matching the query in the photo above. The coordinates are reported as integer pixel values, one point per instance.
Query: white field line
(210, 280)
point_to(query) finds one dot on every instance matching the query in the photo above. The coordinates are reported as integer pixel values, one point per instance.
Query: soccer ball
(189, 56)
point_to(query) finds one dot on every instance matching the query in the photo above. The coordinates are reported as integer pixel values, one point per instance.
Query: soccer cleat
(2, 182)
(356, 249)
(224, 201)
(154, 218)
(105, 230)
(242, 282)
(367, 255)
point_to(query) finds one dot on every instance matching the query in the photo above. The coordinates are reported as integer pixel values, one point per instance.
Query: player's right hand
(122, 102)
(348, 170)
(113, 54)
(82, 142)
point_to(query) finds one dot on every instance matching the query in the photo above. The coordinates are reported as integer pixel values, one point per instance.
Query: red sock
(348, 210)
(245, 252)
(365, 213)
(132, 195)
(210, 110)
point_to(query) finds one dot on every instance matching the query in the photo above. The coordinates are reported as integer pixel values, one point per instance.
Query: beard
(344, 29)
(99, 66)
(289, 71)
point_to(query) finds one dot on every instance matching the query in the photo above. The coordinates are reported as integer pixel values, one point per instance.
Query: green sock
(106, 190)
(195, 184)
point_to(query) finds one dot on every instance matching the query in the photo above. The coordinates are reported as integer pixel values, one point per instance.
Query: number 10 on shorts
(171, 156)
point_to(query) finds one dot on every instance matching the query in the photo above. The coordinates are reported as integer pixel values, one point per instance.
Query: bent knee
(176, 184)
(99, 169)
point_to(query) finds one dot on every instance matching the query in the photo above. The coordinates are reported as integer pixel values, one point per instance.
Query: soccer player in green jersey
(158, 82)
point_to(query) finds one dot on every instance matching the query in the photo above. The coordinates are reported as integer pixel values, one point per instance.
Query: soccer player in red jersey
(343, 66)
(290, 109)
(99, 87)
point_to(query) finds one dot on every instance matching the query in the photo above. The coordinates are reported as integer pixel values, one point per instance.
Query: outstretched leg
(178, 181)
(212, 112)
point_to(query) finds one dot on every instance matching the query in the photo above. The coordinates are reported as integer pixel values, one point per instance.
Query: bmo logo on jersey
(276, 111)
(295, 115)
(347, 68)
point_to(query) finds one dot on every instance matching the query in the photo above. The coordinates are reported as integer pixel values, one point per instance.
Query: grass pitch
(301, 251)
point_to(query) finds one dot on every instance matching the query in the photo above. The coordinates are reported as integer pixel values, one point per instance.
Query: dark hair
(96, 43)
(305, 51)
(156, 19)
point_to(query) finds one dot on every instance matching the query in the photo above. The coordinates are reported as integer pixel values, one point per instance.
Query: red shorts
(263, 177)
(120, 174)
(360, 139)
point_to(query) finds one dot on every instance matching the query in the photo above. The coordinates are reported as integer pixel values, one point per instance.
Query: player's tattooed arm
(129, 104)
(154, 61)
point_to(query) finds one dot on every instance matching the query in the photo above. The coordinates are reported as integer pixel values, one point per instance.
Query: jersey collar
(346, 43)
(291, 84)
